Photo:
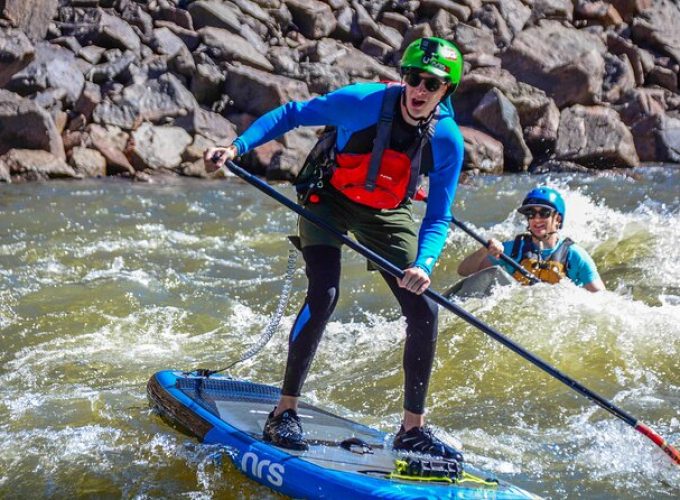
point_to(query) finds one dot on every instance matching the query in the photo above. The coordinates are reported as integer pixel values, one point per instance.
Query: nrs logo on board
(258, 468)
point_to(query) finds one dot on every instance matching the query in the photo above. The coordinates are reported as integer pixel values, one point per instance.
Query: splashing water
(104, 283)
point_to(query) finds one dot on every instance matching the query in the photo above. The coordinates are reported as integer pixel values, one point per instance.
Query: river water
(103, 283)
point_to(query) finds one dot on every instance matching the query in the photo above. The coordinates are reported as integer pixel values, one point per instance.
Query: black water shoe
(285, 430)
(422, 440)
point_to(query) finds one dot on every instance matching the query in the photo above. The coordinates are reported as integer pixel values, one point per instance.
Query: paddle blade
(659, 441)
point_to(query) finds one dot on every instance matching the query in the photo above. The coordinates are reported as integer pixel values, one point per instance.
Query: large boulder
(641, 60)
(30, 16)
(114, 32)
(87, 162)
(595, 137)
(659, 27)
(538, 115)
(657, 138)
(156, 147)
(226, 46)
(16, 52)
(53, 67)
(257, 91)
(314, 18)
(105, 141)
(35, 165)
(497, 115)
(152, 101)
(483, 153)
(25, 125)
(369, 27)
(207, 124)
(226, 15)
(619, 77)
(566, 63)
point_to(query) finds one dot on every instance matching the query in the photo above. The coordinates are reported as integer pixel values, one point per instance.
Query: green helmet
(436, 56)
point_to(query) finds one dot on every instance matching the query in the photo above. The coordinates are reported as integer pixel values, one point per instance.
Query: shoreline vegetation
(93, 88)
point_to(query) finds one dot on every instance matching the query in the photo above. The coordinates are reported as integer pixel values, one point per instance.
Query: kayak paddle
(505, 258)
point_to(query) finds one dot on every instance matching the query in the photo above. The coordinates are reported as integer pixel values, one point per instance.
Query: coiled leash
(273, 325)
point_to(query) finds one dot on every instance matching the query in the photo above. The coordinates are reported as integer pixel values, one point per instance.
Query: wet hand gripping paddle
(461, 313)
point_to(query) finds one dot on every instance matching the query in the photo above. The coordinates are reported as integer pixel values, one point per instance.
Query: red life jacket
(383, 178)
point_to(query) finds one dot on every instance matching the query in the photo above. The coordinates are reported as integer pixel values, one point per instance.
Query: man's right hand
(494, 248)
(215, 158)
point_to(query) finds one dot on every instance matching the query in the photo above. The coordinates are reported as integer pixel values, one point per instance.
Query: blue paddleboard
(345, 459)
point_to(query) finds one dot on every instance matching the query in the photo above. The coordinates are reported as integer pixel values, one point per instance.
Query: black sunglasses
(543, 213)
(413, 79)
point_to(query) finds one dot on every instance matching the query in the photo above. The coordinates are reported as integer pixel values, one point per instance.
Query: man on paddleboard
(540, 250)
(383, 137)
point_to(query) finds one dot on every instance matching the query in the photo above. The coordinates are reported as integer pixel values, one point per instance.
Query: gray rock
(483, 153)
(257, 92)
(165, 42)
(658, 25)
(4, 173)
(657, 138)
(114, 32)
(110, 70)
(369, 27)
(152, 101)
(156, 147)
(207, 82)
(663, 77)
(103, 141)
(619, 77)
(180, 17)
(566, 63)
(16, 52)
(472, 39)
(25, 125)
(209, 125)
(87, 162)
(539, 116)
(314, 18)
(552, 9)
(92, 53)
(497, 114)
(52, 67)
(32, 17)
(595, 137)
(35, 165)
(361, 66)
(226, 46)
(397, 21)
(215, 14)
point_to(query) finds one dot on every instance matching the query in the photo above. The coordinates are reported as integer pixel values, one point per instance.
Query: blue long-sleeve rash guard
(354, 108)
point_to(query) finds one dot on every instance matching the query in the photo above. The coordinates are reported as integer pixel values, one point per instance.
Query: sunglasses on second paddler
(413, 79)
(542, 213)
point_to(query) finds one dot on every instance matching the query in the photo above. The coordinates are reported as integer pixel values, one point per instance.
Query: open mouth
(417, 103)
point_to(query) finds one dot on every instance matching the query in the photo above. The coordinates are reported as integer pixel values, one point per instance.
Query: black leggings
(323, 274)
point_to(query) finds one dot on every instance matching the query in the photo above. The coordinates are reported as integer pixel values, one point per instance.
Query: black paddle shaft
(509, 260)
(439, 299)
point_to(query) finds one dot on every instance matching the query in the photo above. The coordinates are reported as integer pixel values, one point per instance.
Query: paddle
(461, 313)
(508, 260)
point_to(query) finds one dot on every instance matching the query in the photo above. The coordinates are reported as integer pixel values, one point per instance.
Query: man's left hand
(415, 280)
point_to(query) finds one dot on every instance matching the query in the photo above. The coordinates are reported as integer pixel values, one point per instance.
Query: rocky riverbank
(141, 89)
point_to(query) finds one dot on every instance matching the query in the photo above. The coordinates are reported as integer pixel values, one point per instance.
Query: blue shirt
(354, 108)
(581, 268)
